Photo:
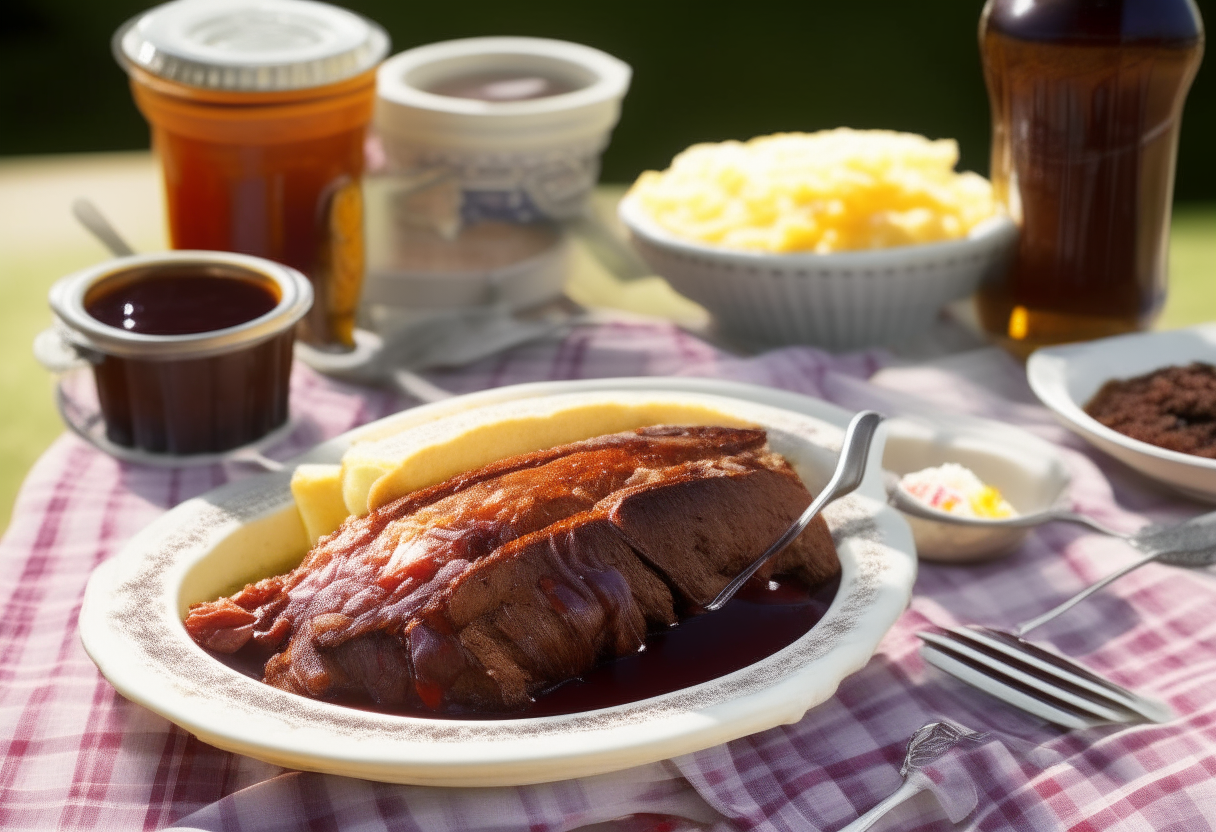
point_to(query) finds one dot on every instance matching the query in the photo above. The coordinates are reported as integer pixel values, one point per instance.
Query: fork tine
(1040, 662)
(1023, 677)
(991, 681)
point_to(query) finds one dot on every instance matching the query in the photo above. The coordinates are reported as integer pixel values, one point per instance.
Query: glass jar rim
(250, 45)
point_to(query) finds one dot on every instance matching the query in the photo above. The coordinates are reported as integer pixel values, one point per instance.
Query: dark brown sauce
(758, 622)
(180, 302)
(502, 86)
(197, 405)
(190, 405)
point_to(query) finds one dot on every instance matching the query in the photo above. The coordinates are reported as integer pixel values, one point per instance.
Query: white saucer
(82, 415)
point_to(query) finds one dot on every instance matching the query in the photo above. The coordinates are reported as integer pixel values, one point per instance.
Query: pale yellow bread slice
(377, 472)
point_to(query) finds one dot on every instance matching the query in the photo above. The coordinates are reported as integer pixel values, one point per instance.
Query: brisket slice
(483, 591)
(378, 569)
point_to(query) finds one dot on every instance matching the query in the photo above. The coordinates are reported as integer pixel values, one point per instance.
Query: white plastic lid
(251, 45)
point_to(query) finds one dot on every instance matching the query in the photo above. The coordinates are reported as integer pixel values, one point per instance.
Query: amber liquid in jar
(274, 175)
(1086, 103)
(190, 405)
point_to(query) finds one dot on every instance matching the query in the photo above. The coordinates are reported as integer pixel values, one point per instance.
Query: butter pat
(954, 489)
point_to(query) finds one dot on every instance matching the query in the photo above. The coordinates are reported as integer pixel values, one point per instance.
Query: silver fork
(1044, 683)
(846, 478)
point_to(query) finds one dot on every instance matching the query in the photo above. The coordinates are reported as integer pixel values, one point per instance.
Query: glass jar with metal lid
(259, 110)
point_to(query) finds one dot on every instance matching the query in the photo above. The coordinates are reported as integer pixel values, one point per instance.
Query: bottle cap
(251, 45)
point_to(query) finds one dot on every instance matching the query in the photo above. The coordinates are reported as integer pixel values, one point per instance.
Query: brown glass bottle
(1086, 100)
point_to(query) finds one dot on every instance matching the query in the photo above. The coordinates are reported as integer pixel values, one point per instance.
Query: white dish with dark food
(209, 547)
(1066, 378)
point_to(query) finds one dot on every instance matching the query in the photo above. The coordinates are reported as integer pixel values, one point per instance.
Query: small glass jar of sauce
(191, 350)
(259, 112)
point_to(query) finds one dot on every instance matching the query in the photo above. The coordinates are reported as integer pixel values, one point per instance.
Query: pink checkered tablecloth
(76, 755)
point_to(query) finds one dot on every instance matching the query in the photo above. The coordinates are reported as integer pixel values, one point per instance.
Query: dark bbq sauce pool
(175, 302)
(759, 621)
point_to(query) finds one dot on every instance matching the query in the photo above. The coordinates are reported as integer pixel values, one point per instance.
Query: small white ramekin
(840, 301)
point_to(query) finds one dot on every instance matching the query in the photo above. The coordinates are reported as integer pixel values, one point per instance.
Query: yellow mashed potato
(835, 190)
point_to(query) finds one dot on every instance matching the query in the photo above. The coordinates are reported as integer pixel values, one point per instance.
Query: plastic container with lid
(259, 110)
(492, 145)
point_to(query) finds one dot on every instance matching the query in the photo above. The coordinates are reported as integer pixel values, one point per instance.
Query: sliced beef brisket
(480, 592)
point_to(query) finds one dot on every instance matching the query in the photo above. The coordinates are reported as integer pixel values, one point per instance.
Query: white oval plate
(131, 624)
(1065, 378)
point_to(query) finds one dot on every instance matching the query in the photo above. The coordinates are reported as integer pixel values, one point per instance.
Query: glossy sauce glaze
(180, 302)
(758, 622)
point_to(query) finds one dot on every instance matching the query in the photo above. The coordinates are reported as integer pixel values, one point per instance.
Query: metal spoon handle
(906, 790)
(1065, 516)
(850, 469)
(1023, 629)
(88, 215)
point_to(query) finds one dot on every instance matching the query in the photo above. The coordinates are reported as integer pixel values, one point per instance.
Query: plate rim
(527, 761)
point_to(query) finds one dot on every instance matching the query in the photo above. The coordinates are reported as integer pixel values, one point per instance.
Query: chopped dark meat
(482, 591)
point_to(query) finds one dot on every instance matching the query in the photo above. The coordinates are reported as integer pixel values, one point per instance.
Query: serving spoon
(850, 470)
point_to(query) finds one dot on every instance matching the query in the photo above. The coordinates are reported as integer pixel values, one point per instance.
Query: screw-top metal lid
(251, 45)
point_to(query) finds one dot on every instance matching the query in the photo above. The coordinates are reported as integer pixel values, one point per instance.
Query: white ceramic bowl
(1065, 378)
(840, 301)
(131, 622)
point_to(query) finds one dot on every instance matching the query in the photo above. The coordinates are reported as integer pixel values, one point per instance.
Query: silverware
(929, 743)
(1196, 533)
(850, 469)
(1044, 683)
(95, 222)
